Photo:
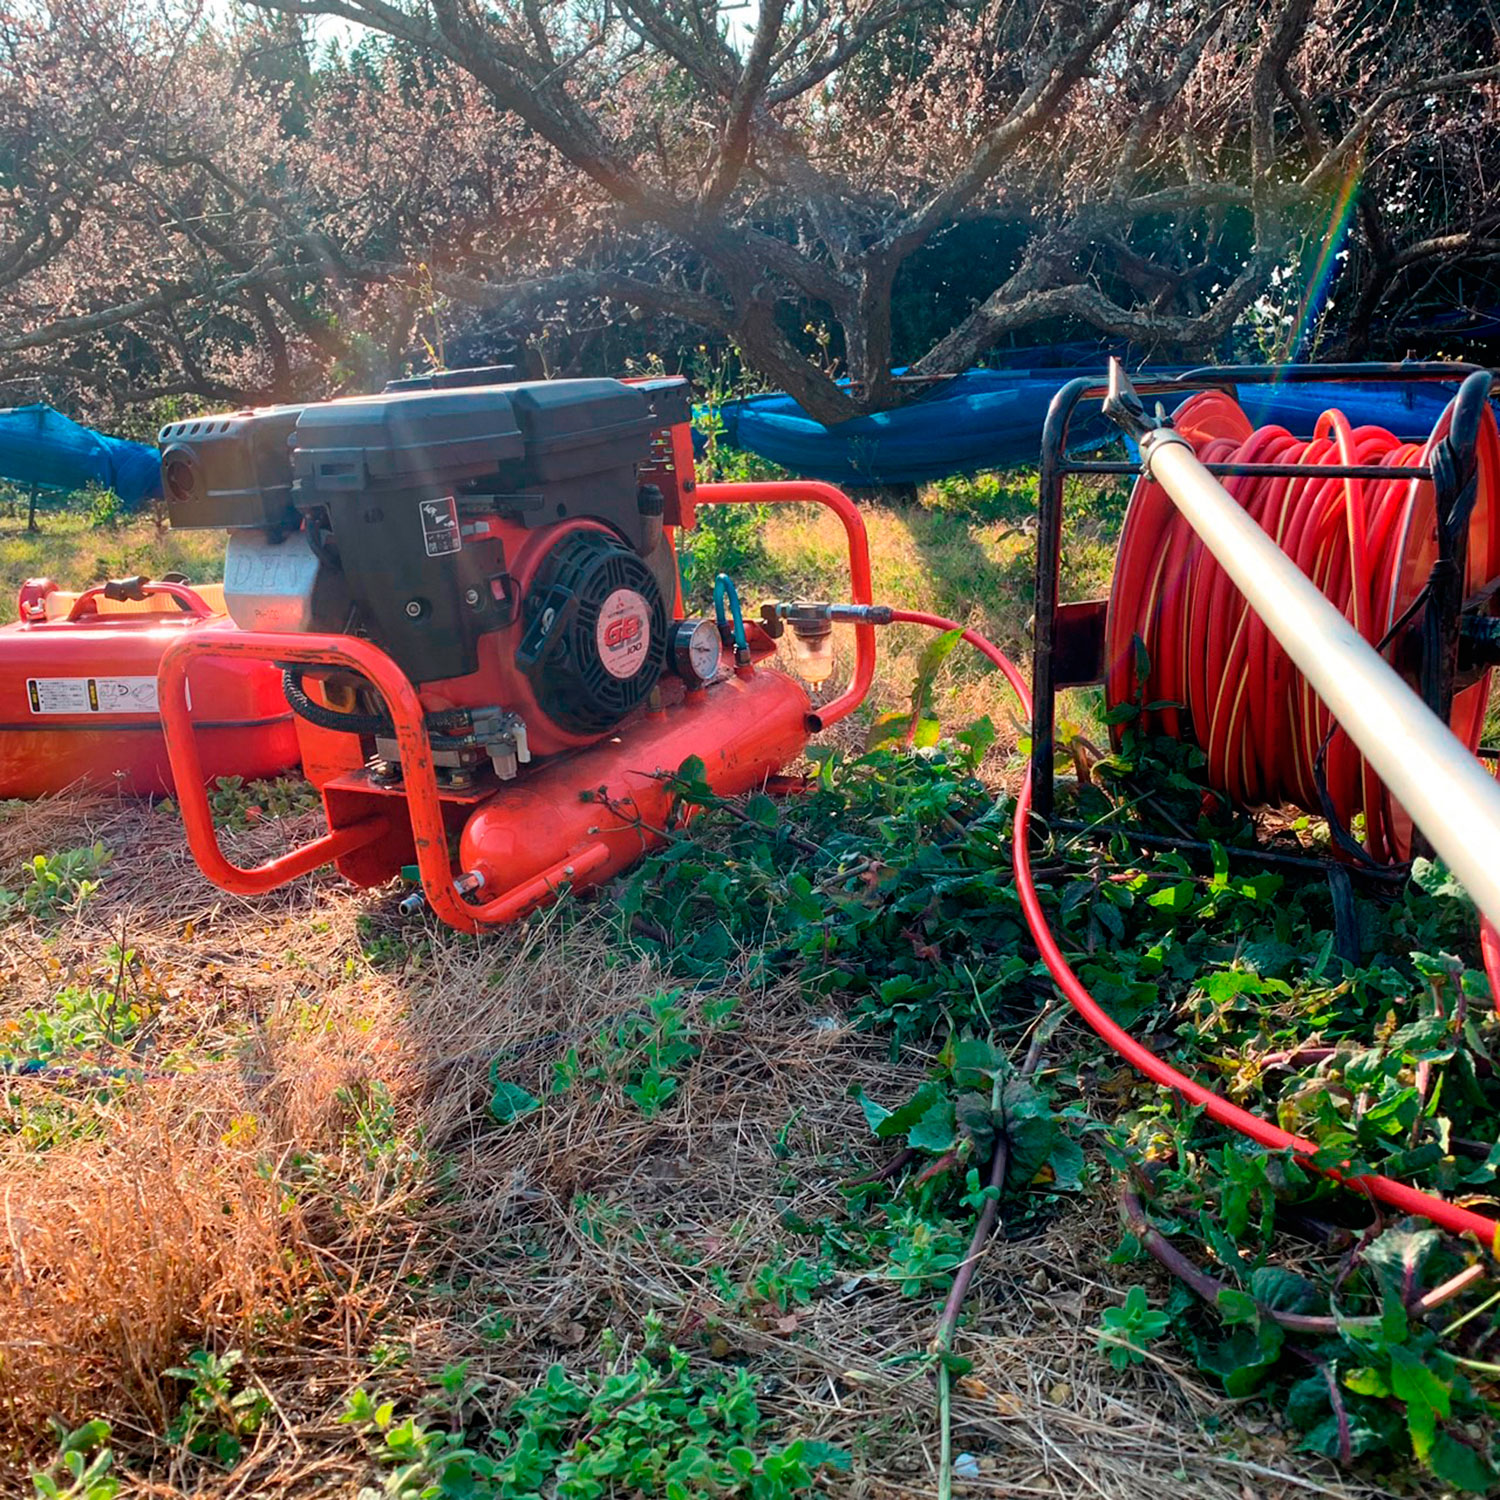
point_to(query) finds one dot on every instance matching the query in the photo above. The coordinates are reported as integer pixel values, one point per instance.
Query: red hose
(1384, 1189)
(1489, 943)
(1369, 546)
(1489, 948)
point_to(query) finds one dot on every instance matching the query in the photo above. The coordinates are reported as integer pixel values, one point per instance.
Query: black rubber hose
(329, 718)
(447, 721)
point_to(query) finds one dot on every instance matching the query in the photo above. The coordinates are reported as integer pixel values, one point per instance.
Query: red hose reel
(1224, 682)
(1381, 547)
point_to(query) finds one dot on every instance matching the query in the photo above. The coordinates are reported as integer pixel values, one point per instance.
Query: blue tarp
(992, 419)
(41, 447)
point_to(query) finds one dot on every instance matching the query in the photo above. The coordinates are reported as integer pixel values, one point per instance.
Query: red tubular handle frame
(424, 807)
(803, 492)
(191, 601)
(1397, 1195)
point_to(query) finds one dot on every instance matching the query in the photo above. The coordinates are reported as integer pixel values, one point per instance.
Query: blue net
(40, 447)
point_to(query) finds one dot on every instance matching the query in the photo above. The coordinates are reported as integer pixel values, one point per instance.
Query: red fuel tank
(78, 692)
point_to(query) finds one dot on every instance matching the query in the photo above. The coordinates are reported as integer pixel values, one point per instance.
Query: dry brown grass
(310, 1174)
(155, 1235)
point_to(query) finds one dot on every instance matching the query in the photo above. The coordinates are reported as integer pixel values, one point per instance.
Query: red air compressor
(472, 592)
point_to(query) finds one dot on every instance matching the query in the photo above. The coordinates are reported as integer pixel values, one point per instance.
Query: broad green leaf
(936, 1131)
(875, 1114)
(1067, 1164)
(826, 1456)
(1427, 1396)
(1282, 1290)
(974, 1061)
(903, 1117)
(1368, 1381)
(934, 654)
(509, 1101)
(888, 728)
(1244, 1359)
(1397, 1256)
(1236, 1306)
(1458, 1464)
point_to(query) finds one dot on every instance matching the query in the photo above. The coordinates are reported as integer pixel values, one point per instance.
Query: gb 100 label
(623, 634)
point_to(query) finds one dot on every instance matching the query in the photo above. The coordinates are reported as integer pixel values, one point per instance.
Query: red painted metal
(240, 718)
(31, 601)
(578, 819)
(188, 600)
(498, 678)
(615, 797)
(670, 468)
(353, 654)
(803, 492)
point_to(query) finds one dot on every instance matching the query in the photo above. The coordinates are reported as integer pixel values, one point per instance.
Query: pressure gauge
(696, 649)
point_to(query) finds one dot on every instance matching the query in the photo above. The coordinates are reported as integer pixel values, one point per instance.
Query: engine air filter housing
(595, 632)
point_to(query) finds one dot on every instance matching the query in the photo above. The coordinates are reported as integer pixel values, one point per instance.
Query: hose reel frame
(1069, 639)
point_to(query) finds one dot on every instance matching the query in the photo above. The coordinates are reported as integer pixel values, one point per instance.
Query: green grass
(966, 550)
(74, 552)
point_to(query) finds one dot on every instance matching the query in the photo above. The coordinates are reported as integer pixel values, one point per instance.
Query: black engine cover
(595, 635)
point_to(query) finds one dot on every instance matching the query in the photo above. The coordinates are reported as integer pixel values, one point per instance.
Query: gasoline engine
(472, 592)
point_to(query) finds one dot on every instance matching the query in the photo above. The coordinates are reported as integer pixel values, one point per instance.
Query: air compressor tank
(600, 810)
(78, 702)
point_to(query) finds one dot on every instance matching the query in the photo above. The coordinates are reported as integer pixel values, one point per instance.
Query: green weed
(215, 1419)
(887, 887)
(106, 511)
(240, 804)
(790, 1282)
(642, 1055)
(1126, 1330)
(79, 1020)
(726, 539)
(81, 1470)
(654, 1426)
(56, 884)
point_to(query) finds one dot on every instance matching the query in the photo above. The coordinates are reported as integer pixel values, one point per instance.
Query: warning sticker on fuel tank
(440, 534)
(623, 634)
(91, 695)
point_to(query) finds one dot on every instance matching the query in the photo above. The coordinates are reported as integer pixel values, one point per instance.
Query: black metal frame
(1451, 471)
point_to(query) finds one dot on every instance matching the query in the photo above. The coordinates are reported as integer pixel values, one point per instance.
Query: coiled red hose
(1489, 943)
(1397, 1195)
(1217, 677)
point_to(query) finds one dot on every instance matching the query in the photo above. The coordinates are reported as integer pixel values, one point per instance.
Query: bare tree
(1151, 162)
(185, 213)
(747, 173)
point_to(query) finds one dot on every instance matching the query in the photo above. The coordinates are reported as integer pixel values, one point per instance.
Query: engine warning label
(623, 634)
(91, 695)
(440, 533)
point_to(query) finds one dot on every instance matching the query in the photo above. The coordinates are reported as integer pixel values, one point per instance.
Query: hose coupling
(804, 613)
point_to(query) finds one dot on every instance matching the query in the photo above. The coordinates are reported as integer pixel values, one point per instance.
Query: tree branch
(734, 139)
(123, 312)
(1334, 160)
(1060, 70)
